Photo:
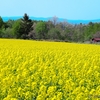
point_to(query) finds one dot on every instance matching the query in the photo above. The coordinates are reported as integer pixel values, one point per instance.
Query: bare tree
(97, 35)
(54, 20)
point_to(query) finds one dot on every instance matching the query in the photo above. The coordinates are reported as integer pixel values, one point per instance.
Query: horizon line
(52, 17)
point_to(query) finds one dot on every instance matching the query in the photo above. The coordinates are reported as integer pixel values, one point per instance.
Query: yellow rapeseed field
(40, 70)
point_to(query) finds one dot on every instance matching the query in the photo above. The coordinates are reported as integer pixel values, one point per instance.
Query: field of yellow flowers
(39, 70)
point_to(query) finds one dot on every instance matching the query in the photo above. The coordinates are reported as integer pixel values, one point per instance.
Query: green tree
(54, 33)
(41, 30)
(90, 30)
(7, 33)
(9, 23)
(17, 30)
(22, 27)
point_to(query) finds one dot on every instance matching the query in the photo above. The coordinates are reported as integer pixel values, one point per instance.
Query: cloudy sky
(68, 9)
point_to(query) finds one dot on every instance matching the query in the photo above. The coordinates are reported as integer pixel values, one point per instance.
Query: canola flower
(40, 70)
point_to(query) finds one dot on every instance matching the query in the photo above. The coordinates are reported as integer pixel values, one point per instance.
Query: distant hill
(49, 18)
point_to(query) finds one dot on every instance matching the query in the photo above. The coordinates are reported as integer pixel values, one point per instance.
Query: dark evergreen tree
(1, 27)
(26, 26)
(1, 22)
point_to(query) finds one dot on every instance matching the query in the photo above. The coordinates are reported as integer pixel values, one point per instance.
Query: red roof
(96, 38)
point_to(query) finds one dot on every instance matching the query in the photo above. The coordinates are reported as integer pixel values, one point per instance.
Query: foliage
(33, 70)
(17, 29)
(9, 23)
(26, 28)
(54, 33)
(41, 30)
(7, 33)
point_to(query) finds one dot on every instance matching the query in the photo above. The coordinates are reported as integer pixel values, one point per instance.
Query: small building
(96, 40)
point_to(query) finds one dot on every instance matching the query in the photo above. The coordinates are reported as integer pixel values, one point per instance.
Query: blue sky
(68, 9)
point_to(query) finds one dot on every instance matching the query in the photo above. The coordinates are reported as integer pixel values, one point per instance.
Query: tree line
(25, 28)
